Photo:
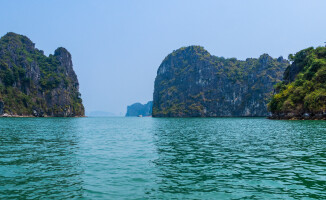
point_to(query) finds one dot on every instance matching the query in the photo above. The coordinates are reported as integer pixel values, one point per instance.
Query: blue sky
(117, 46)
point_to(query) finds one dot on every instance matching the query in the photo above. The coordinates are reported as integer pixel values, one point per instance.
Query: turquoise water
(150, 158)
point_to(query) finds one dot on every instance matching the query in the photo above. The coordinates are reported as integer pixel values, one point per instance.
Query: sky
(117, 46)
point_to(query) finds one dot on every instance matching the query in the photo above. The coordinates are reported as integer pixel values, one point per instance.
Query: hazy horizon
(118, 46)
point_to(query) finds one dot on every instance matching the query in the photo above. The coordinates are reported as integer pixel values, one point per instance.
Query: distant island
(32, 84)
(302, 93)
(139, 110)
(190, 82)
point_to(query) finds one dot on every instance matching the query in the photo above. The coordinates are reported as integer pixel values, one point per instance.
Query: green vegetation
(29, 80)
(304, 87)
(192, 82)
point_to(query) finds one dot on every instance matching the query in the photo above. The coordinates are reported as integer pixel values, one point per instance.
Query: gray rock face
(1, 108)
(291, 72)
(138, 109)
(34, 84)
(192, 83)
(61, 96)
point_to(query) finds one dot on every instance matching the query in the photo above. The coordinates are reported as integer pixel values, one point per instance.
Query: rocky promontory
(33, 84)
(302, 94)
(190, 82)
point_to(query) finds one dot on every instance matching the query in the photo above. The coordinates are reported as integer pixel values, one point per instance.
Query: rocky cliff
(190, 82)
(302, 94)
(33, 84)
(138, 109)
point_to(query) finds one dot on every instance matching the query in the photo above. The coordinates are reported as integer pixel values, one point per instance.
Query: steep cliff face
(138, 109)
(192, 83)
(34, 84)
(1, 108)
(302, 94)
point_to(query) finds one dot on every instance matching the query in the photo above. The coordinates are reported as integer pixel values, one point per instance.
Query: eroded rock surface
(190, 82)
(34, 84)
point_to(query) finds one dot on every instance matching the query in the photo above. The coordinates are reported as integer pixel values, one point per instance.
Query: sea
(162, 158)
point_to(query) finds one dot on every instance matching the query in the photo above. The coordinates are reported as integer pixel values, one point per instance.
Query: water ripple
(149, 158)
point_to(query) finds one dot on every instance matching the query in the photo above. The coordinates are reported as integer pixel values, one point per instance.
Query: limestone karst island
(191, 82)
(32, 84)
(164, 99)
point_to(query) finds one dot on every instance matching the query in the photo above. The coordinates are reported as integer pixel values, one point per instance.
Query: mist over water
(193, 158)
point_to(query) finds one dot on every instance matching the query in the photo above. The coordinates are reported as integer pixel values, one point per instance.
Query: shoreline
(292, 116)
(32, 116)
(274, 117)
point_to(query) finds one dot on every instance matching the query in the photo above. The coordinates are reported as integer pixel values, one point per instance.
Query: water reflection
(240, 158)
(38, 159)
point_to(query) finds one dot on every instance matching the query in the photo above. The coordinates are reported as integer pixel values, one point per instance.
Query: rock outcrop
(138, 109)
(32, 84)
(192, 83)
(302, 94)
(1, 108)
